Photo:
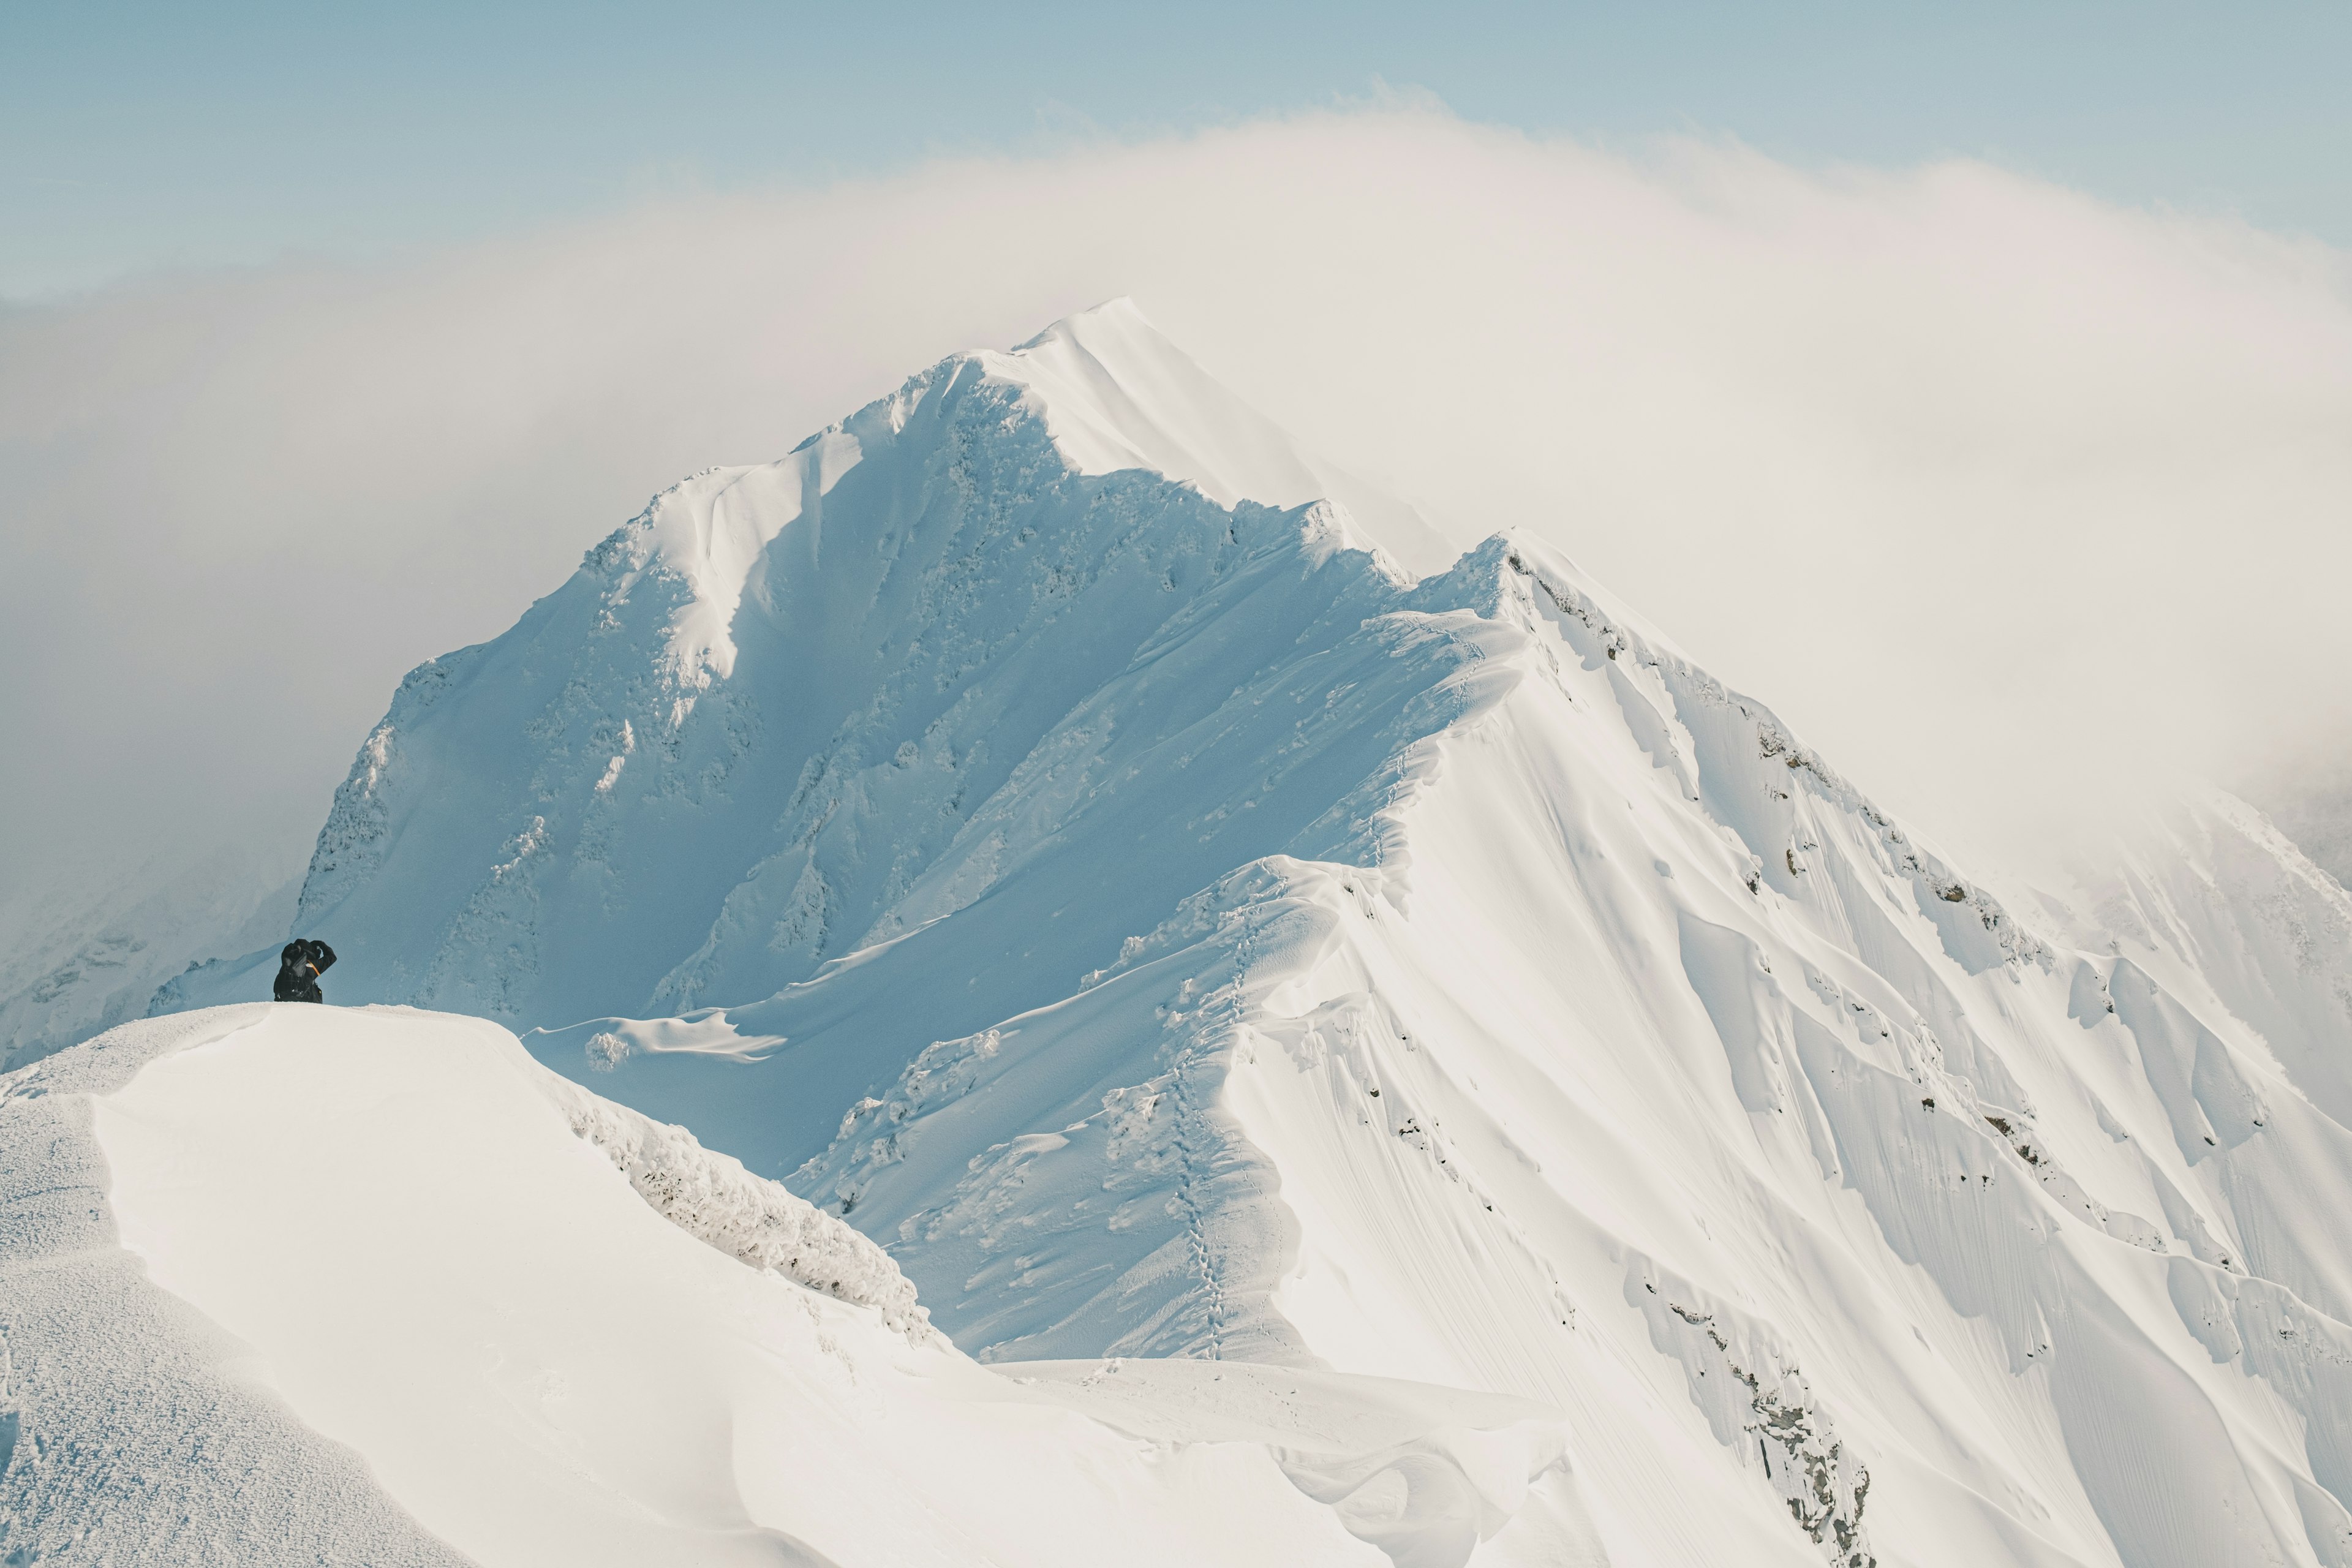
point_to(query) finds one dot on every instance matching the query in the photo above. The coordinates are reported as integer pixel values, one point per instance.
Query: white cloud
(1991, 488)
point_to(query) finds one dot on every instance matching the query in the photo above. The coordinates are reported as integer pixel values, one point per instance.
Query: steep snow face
(1117, 394)
(1170, 929)
(2214, 898)
(726, 751)
(1666, 1079)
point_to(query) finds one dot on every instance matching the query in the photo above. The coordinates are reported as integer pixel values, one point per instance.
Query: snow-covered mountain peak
(1112, 393)
(1116, 393)
(836, 665)
(1170, 933)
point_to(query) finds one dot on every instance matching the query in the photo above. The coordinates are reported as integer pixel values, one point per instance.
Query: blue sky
(144, 136)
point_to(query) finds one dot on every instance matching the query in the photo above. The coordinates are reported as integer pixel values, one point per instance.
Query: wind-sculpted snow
(1116, 395)
(299, 1284)
(714, 1199)
(1169, 929)
(132, 1429)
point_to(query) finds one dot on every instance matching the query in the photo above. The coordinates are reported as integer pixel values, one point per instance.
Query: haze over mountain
(1120, 865)
(1970, 473)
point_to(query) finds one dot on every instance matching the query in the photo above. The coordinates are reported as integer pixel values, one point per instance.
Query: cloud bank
(1998, 494)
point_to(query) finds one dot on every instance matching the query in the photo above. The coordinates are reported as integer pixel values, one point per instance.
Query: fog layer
(1998, 494)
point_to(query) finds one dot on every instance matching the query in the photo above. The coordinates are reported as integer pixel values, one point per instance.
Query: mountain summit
(1117, 394)
(1119, 864)
(763, 659)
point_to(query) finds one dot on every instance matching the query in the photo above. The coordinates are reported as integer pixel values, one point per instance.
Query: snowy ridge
(291, 1284)
(132, 1428)
(1617, 636)
(1168, 930)
(713, 1199)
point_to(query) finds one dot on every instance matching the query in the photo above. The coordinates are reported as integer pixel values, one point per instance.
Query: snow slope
(80, 954)
(1174, 930)
(483, 1315)
(132, 1426)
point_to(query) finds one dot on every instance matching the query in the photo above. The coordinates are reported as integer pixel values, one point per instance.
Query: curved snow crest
(1116, 393)
(714, 1199)
(132, 1428)
(1428, 1476)
(1145, 1222)
(403, 1299)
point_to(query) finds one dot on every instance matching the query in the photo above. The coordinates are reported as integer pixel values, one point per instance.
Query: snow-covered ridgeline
(1170, 929)
(300, 1284)
(131, 1427)
(1482, 1039)
(1690, 691)
(1799, 1056)
(714, 1199)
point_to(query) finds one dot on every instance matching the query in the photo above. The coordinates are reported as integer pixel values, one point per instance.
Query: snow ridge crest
(714, 1199)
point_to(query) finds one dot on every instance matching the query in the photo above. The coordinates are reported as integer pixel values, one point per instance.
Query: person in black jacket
(298, 968)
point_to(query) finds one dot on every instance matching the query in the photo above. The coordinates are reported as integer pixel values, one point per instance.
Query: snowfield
(1253, 1039)
(427, 1255)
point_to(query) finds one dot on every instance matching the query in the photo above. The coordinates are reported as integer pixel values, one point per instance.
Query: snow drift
(459, 1335)
(1045, 820)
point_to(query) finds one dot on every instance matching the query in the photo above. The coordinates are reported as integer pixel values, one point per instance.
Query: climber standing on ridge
(298, 968)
